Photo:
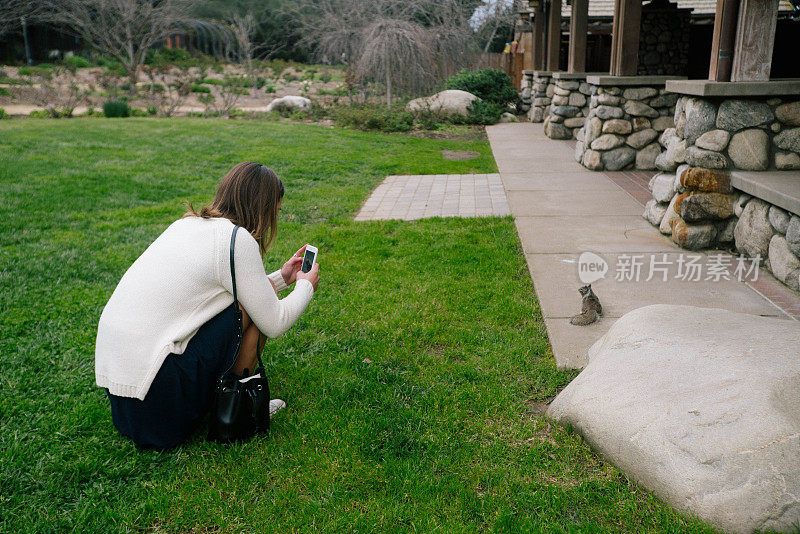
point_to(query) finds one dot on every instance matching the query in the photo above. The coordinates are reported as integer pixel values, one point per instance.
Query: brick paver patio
(436, 195)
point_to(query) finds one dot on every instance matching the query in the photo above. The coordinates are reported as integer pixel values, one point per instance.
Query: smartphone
(309, 259)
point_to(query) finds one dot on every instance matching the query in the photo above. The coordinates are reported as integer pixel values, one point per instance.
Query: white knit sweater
(179, 283)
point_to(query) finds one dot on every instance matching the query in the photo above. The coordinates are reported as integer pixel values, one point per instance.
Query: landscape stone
(577, 99)
(700, 117)
(705, 158)
(736, 115)
(559, 100)
(706, 180)
(593, 128)
(570, 85)
(541, 101)
(779, 219)
(669, 217)
(606, 100)
(579, 148)
(646, 157)
(617, 126)
(793, 235)
(725, 230)
(789, 113)
(654, 212)
(560, 91)
(783, 263)
(609, 112)
(640, 123)
(607, 142)
(663, 163)
(565, 111)
(585, 88)
(715, 140)
(639, 93)
(749, 149)
(738, 208)
(667, 100)
(550, 90)
(536, 114)
(667, 136)
(753, 231)
(639, 109)
(679, 175)
(787, 161)
(706, 206)
(290, 103)
(618, 158)
(574, 122)
(642, 138)
(507, 117)
(592, 160)
(451, 101)
(693, 236)
(662, 123)
(788, 140)
(663, 187)
(699, 405)
(554, 130)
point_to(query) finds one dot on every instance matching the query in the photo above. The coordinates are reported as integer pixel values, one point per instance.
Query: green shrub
(46, 66)
(325, 77)
(3, 114)
(39, 114)
(213, 81)
(289, 77)
(138, 112)
(196, 88)
(4, 92)
(277, 66)
(269, 88)
(484, 112)
(77, 62)
(152, 110)
(492, 85)
(373, 117)
(13, 81)
(26, 71)
(116, 108)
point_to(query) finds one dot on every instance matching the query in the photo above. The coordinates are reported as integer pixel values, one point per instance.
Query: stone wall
(664, 43)
(699, 209)
(526, 91)
(622, 127)
(568, 108)
(731, 133)
(543, 91)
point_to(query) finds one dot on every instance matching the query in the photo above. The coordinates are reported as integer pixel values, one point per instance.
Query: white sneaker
(275, 405)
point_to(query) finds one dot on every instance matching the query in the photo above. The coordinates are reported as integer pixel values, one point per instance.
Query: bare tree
(492, 17)
(12, 12)
(122, 29)
(58, 90)
(169, 88)
(244, 26)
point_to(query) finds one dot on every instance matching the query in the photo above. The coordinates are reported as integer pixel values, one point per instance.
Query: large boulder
(702, 406)
(289, 103)
(753, 231)
(449, 102)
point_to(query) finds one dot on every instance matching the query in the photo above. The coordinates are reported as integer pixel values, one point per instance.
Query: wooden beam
(627, 24)
(723, 39)
(538, 38)
(755, 39)
(526, 39)
(615, 37)
(554, 35)
(578, 28)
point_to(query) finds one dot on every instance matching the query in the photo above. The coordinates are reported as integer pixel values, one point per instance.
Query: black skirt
(181, 393)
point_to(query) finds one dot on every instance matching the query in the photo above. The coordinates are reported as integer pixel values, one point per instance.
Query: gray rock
(450, 101)
(678, 172)
(526, 94)
(565, 111)
(507, 117)
(775, 127)
(736, 115)
(654, 212)
(663, 187)
(646, 157)
(642, 138)
(793, 235)
(551, 90)
(579, 132)
(749, 150)
(593, 128)
(788, 140)
(742, 201)
(609, 112)
(560, 91)
(569, 85)
(779, 219)
(706, 206)
(700, 406)
(610, 90)
(577, 99)
(554, 130)
(662, 123)
(784, 264)
(693, 236)
(640, 123)
(639, 109)
(787, 161)
(585, 88)
(725, 230)
(663, 163)
(701, 116)
(697, 157)
(559, 100)
(639, 93)
(671, 215)
(536, 114)
(541, 101)
(667, 100)
(715, 140)
(607, 142)
(579, 148)
(605, 100)
(574, 122)
(619, 158)
(789, 113)
(617, 126)
(753, 230)
(592, 160)
(667, 136)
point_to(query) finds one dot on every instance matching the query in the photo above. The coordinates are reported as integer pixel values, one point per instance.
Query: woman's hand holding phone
(292, 267)
(312, 276)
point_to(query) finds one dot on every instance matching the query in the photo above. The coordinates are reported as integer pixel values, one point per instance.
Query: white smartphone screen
(308, 260)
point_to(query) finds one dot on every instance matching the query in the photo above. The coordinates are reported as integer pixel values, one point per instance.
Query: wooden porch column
(625, 40)
(578, 27)
(553, 35)
(526, 40)
(538, 38)
(755, 39)
(725, 20)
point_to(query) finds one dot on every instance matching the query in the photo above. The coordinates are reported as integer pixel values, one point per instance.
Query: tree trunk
(388, 79)
(132, 80)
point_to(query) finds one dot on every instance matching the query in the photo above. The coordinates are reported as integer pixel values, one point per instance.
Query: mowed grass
(414, 381)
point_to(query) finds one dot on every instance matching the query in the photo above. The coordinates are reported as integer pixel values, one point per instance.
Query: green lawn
(414, 381)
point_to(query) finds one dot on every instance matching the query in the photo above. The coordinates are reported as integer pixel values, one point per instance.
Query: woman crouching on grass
(168, 331)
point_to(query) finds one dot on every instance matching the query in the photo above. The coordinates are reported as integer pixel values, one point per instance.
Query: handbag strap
(236, 311)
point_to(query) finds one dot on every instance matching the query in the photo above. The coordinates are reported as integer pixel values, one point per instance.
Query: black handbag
(240, 408)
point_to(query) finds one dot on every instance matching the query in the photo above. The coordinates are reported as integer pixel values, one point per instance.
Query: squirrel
(591, 310)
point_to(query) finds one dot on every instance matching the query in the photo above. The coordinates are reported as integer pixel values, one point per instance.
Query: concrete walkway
(562, 210)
